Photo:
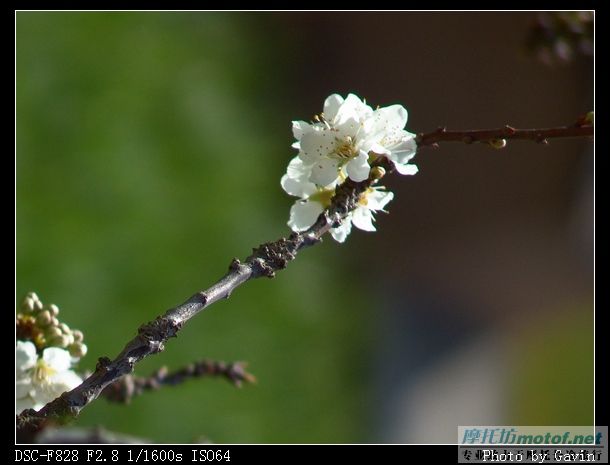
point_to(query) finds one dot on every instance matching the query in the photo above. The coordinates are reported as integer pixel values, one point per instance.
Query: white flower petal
(377, 200)
(43, 396)
(354, 101)
(340, 234)
(358, 168)
(297, 187)
(62, 382)
(299, 128)
(393, 117)
(297, 168)
(55, 386)
(318, 143)
(23, 387)
(348, 127)
(363, 219)
(331, 106)
(303, 214)
(38, 405)
(387, 120)
(56, 358)
(296, 180)
(325, 171)
(377, 148)
(25, 355)
(353, 108)
(406, 169)
(404, 150)
(25, 403)
(307, 157)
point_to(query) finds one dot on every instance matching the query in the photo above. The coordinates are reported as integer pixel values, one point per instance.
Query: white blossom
(305, 211)
(39, 380)
(348, 135)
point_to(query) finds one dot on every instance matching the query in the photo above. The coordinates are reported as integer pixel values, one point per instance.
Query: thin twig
(129, 386)
(580, 129)
(265, 261)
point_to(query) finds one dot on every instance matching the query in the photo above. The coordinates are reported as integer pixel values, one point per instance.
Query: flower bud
(58, 341)
(77, 350)
(78, 335)
(44, 319)
(53, 332)
(27, 306)
(54, 309)
(62, 341)
(498, 143)
(377, 172)
(40, 341)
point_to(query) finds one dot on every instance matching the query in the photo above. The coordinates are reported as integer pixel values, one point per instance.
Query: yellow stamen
(363, 201)
(42, 372)
(346, 148)
(323, 196)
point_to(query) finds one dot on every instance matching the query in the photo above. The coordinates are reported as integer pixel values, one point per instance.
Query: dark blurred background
(149, 152)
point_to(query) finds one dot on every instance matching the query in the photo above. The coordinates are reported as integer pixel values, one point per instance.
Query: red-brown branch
(580, 129)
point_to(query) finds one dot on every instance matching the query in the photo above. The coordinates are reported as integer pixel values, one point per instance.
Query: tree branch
(264, 261)
(129, 386)
(580, 129)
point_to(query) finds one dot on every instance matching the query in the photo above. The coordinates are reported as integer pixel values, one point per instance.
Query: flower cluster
(343, 142)
(41, 378)
(45, 354)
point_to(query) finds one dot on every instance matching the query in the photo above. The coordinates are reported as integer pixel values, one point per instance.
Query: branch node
(311, 239)
(157, 331)
(509, 130)
(235, 264)
(203, 297)
(270, 257)
(102, 364)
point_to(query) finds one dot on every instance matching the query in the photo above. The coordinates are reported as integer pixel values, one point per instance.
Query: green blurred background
(149, 152)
